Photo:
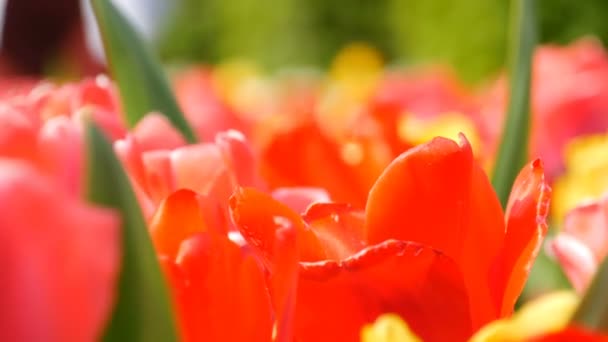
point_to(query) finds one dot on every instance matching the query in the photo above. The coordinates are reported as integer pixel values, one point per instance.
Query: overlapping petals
(219, 286)
(432, 212)
(159, 162)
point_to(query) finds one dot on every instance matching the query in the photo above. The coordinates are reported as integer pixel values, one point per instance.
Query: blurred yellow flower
(357, 68)
(420, 130)
(352, 78)
(546, 314)
(388, 328)
(586, 176)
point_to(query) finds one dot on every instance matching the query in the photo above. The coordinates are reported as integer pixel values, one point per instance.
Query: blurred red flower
(569, 98)
(59, 255)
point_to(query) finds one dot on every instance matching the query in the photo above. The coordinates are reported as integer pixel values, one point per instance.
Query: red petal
(224, 297)
(526, 228)
(59, 260)
(437, 195)
(421, 285)
(339, 228)
(258, 216)
(239, 157)
(178, 217)
(155, 132)
(283, 282)
(305, 157)
(17, 135)
(60, 147)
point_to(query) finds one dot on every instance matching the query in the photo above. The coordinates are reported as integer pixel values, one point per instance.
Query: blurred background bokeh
(44, 37)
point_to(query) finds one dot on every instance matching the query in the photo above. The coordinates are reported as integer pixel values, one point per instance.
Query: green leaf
(592, 311)
(143, 310)
(141, 81)
(513, 151)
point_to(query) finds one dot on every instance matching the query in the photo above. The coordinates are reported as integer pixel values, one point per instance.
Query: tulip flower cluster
(351, 207)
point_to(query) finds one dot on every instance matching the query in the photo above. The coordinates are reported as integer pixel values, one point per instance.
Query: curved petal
(178, 217)
(576, 259)
(155, 132)
(200, 168)
(223, 294)
(589, 224)
(526, 228)
(239, 156)
(424, 287)
(339, 227)
(59, 258)
(437, 195)
(258, 216)
(293, 159)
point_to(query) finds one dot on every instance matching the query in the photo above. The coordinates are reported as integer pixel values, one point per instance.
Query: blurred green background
(471, 35)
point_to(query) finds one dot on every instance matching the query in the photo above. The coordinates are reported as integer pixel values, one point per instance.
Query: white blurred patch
(148, 17)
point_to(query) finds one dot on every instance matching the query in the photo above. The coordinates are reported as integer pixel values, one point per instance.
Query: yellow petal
(546, 314)
(388, 328)
(448, 125)
(586, 176)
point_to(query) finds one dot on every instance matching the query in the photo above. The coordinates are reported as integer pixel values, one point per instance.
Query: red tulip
(59, 260)
(59, 255)
(220, 288)
(433, 246)
(159, 162)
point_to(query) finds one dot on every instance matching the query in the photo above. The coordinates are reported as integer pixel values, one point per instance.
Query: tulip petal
(589, 224)
(339, 228)
(239, 157)
(258, 216)
(178, 217)
(283, 282)
(576, 260)
(292, 159)
(526, 228)
(155, 132)
(423, 286)
(59, 259)
(225, 296)
(436, 194)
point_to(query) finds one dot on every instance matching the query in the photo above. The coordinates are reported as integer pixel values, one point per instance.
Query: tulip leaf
(142, 311)
(592, 311)
(141, 81)
(513, 150)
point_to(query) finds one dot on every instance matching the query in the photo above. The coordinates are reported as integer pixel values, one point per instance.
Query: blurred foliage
(469, 34)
